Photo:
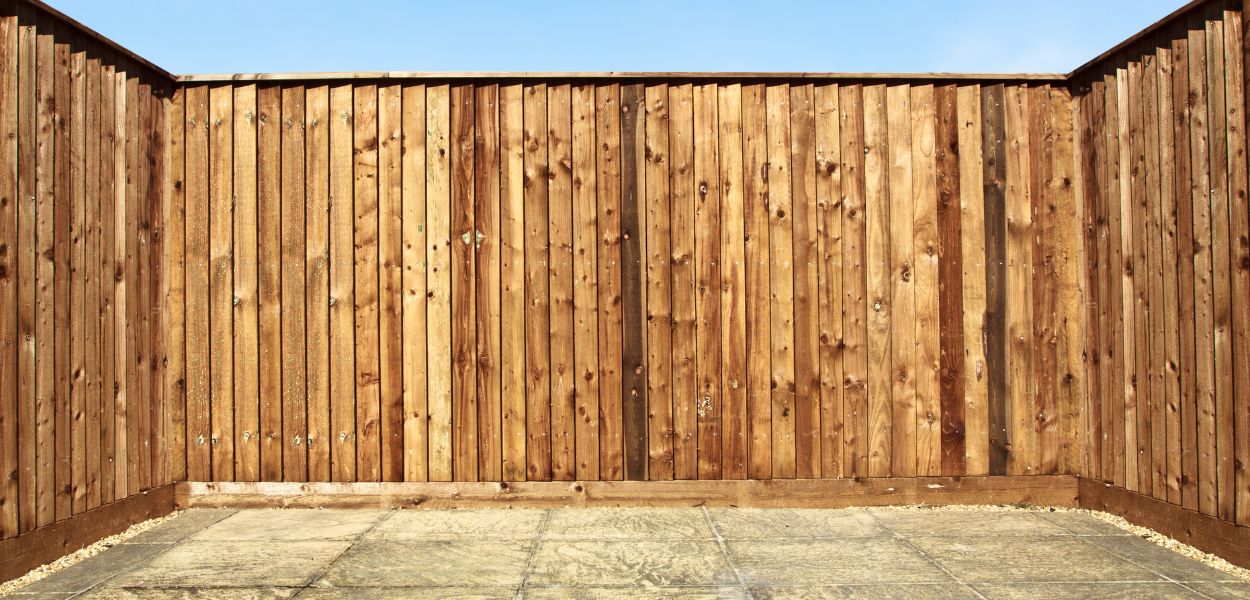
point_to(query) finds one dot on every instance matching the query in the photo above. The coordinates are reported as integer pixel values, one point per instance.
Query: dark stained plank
(463, 304)
(317, 278)
(486, 213)
(9, 258)
(658, 294)
(757, 318)
(994, 185)
(708, 290)
(220, 280)
(633, 357)
(950, 280)
(585, 284)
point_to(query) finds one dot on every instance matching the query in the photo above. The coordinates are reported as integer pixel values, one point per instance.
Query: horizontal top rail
(614, 75)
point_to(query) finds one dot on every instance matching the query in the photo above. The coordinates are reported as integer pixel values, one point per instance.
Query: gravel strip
(72, 559)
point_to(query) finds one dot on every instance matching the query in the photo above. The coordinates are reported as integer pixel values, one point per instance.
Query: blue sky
(641, 35)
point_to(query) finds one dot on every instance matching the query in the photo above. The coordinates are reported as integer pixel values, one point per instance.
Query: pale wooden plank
(416, 442)
(972, 246)
(537, 307)
(877, 268)
(586, 367)
(390, 282)
(487, 287)
(707, 264)
(924, 237)
(756, 319)
(294, 269)
(269, 277)
(220, 280)
(246, 319)
(560, 280)
(512, 282)
(438, 278)
(658, 299)
(682, 222)
(317, 278)
(365, 262)
(901, 260)
(608, 218)
(830, 273)
(342, 331)
(463, 299)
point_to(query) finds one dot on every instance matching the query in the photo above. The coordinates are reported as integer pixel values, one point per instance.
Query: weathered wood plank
(1043, 416)
(1235, 49)
(269, 276)
(26, 272)
(438, 278)
(512, 278)
(198, 423)
(610, 264)
(585, 284)
(682, 220)
(463, 298)
(633, 342)
(779, 205)
(924, 236)
(1183, 478)
(9, 260)
(877, 268)
(854, 285)
(950, 281)
(537, 308)
(294, 268)
(45, 391)
(902, 288)
(658, 285)
(994, 182)
(707, 264)
(755, 197)
(246, 321)
(412, 142)
(560, 281)
(1019, 266)
(830, 275)
(317, 279)
(390, 282)
(733, 340)
(973, 260)
(220, 279)
(486, 212)
(365, 262)
(342, 331)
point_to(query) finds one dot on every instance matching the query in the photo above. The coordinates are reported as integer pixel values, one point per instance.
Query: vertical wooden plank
(512, 278)
(198, 421)
(829, 275)
(778, 203)
(808, 441)
(220, 279)
(537, 312)
(294, 269)
(390, 282)
(269, 277)
(77, 288)
(463, 304)
(1141, 281)
(92, 274)
(144, 171)
(1186, 458)
(1200, 200)
(560, 280)
(608, 193)
(733, 341)
(994, 185)
(658, 286)
(585, 285)
(854, 285)
(9, 249)
(1070, 371)
(1043, 414)
(26, 272)
(902, 289)
(438, 264)
(1169, 476)
(156, 148)
(317, 278)
(1220, 280)
(973, 260)
(755, 196)
(486, 256)
(246, 320)
(682, 220)
(924, 238)
(1154, 274)
(342, 332)
(45, 392)
(61, 423)
(950, 281)
(1125, 419)
(365, 234)
(707, 264)
(415, 434)
(1019, 265)
(1239, 234)
(123, 292)
(1102, 270)
(877, 269)
(633, 357)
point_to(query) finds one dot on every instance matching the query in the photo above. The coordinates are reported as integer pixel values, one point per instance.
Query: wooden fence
(1163, 174)
(83, 417)
(533, 280)
(415, 278)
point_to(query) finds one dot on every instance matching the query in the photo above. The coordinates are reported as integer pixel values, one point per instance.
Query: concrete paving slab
(487, 524)
(291, 525)
(628, 523)
(781, 523)
(373, 563)
(634, 593)
(831, 562)
(965, 523)
(1080, 523)
(190, 593)
(410, 593)
(1082, 591)
(640, 563)
(924, 591)
(235, 564)
(1028, 559)
(1223, 591)
(98, 569)
(188, 523)
(1159, 559)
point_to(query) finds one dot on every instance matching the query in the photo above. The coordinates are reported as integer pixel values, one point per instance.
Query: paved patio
(636, 553)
